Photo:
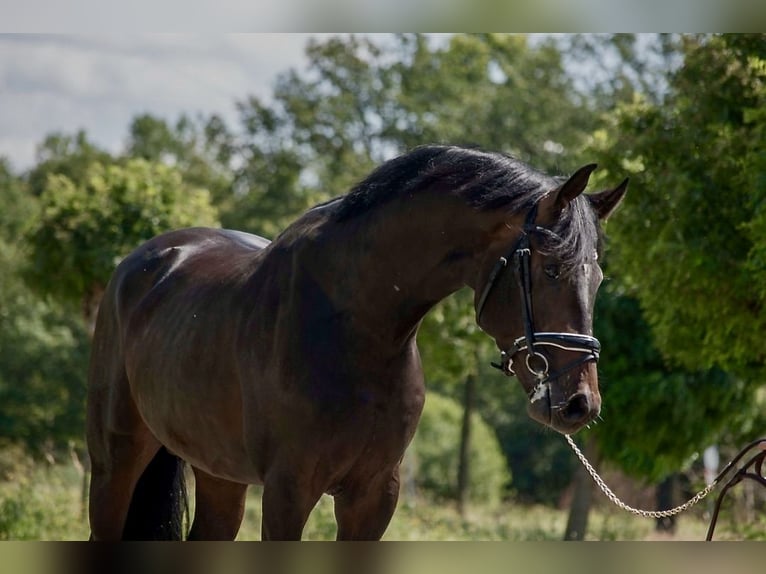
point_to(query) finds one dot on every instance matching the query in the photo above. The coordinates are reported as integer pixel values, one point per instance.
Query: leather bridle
(532, 341)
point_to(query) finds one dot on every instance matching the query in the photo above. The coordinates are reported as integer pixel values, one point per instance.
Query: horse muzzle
(566, 414)
(547, 403)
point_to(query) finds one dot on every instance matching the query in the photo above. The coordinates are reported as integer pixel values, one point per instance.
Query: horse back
(183, 258)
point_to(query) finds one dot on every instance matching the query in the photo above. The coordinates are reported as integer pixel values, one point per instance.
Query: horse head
(535, 295)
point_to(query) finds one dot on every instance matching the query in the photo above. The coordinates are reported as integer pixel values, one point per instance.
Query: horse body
(291, 364)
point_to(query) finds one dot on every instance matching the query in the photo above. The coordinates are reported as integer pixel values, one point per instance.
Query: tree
(199, 149)
(43, 351)
(67, 155)
(657, 417)
(610, 69)
(696, 408)
(452, 346)
(436, 459)
(687, 377)
(362, 101)
(498, 91)
(87, 226)
(691, 241)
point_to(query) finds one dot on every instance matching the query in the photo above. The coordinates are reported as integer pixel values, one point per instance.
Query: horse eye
(552, 271)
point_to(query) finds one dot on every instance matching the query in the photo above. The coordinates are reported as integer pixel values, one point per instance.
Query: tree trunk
(463, 469)
(582, 496)
(666, 495)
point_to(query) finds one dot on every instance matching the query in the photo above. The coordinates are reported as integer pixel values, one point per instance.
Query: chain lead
(619, 503)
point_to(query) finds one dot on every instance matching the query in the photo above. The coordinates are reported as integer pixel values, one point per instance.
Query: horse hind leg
(137, 489)
(123, 451)
(117, 464)
(219, 507)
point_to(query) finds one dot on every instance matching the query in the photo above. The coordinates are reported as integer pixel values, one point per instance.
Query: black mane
(485, 181)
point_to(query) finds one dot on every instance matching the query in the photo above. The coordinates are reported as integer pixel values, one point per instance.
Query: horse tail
(159, 506)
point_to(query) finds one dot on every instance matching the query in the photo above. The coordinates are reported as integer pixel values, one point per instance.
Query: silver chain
(645, 513)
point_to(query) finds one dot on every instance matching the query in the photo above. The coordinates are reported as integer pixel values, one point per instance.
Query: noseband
(532, 341)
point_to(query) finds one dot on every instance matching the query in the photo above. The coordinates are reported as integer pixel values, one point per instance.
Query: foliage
(199, 149)
(40, 504)
(434, 450)
(515, 94)
(362, 101)
(686, 307)
(612, 68)
(43, 358)
(690, 241)
(452, 344)
(23, 516)
(49, 503)
(87, 226)
(43, 349)
(541, 464)
(656, 418)
(67, 155)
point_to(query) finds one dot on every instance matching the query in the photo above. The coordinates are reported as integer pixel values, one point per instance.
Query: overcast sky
(99, 83)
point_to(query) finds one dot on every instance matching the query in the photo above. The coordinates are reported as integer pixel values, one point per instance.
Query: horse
(293, 364)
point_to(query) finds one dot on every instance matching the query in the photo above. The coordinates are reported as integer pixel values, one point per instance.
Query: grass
(43, 503)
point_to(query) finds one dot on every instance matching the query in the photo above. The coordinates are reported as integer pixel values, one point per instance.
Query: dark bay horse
(294, 364)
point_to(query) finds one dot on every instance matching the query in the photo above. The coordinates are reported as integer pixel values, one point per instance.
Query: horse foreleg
(287, 502)
(219, 507)
(364, 511)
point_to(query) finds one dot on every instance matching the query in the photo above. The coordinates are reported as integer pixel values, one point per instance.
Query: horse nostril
(577, 409)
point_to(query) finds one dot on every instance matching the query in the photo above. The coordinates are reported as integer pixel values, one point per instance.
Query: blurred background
(108, 141)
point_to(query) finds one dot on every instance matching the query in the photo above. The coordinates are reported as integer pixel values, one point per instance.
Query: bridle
(532, 341)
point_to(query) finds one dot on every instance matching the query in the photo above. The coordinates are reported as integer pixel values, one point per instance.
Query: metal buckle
(538, 373)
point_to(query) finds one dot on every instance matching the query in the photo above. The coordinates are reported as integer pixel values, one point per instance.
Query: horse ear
(605, 202)
(575, 185)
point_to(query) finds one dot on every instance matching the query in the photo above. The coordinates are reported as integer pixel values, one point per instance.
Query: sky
(98, 83)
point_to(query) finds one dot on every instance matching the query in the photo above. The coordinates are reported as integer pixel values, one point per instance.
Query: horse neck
(391, 267)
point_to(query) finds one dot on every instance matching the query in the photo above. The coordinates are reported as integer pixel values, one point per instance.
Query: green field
(44, 503)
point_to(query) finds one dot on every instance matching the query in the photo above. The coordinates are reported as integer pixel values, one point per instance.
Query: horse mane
(486, 181)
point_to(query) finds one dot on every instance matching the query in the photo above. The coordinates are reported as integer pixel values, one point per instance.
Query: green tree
(657, 416)
(678, 372)
(363, 101)
(69, 155)
(200, 149)
(87, 226)
(42, 348)
(436, 459)
(268, 188)
(452, 349)
(610, 69)
(498, 91)
(691, 241)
